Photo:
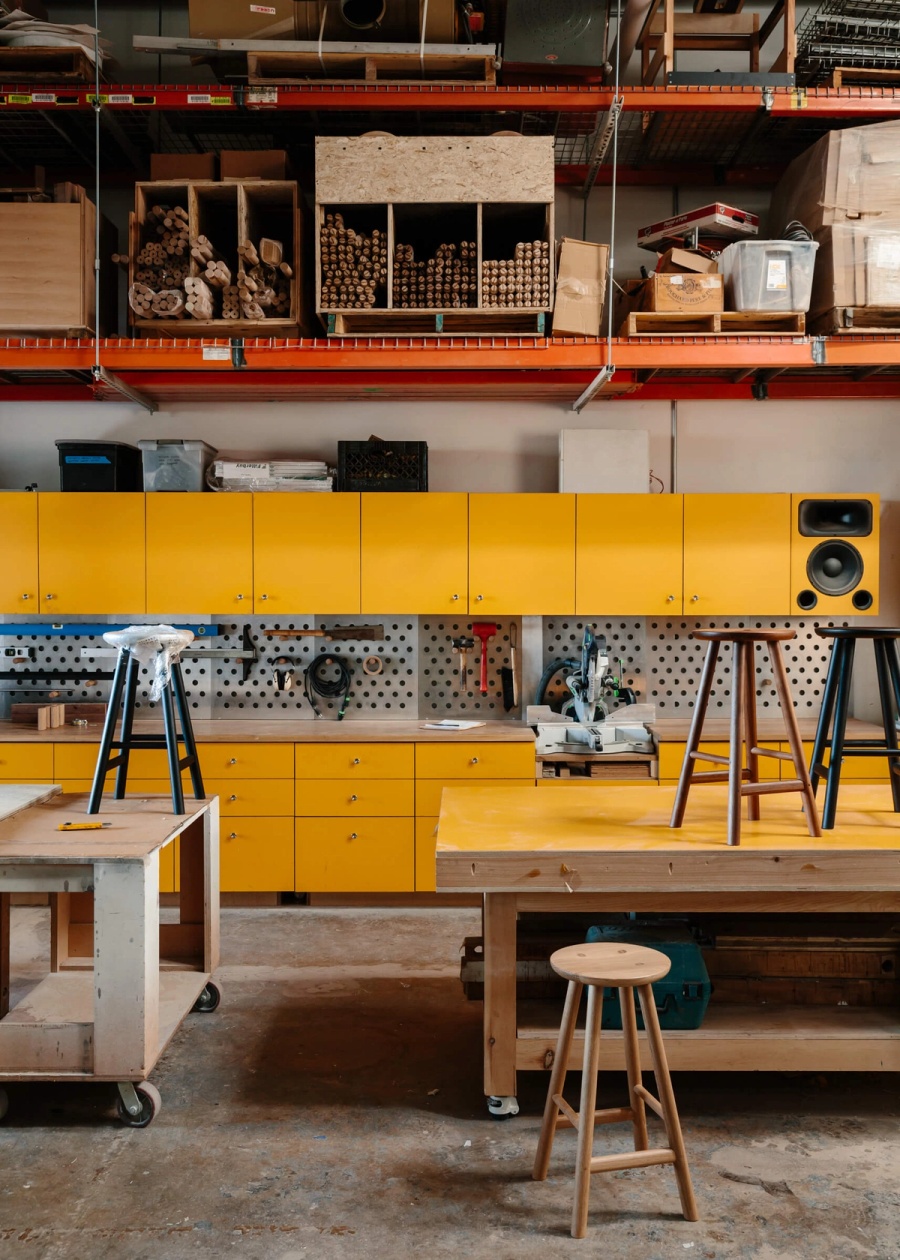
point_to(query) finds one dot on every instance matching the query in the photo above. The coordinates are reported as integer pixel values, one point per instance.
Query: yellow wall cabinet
(521, 554)
(629, 554)
(415, 553)
(199, 553)
(19, 571)
(737, 555)
(306, 553)
(91, 553)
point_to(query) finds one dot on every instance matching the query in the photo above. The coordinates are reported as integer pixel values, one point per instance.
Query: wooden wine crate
(47, 264)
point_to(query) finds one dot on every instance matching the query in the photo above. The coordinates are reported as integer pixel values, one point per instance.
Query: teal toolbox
(683, 995)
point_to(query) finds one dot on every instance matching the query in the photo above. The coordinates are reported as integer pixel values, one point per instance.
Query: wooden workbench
(120, 982)
(613, 851)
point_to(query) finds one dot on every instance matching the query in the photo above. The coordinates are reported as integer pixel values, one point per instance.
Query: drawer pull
(694, 599)
(233, 761)
(474, 761)
(479, 597)
(355, 761)
(49, 597)
(670, 599)
(232, 798)
(263, 597)
(354, 798)
(233, 836)
(26, 597)
(352, 835)
(452, 597)
(238, 597)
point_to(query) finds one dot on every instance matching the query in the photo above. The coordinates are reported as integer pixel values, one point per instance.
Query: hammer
(484, 630)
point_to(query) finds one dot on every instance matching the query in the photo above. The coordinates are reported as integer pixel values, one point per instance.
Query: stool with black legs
(161, 646)
(836, 704)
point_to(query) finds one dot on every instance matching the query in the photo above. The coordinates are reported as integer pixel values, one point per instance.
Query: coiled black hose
(555, 667)
(795, 231)
(315, 684)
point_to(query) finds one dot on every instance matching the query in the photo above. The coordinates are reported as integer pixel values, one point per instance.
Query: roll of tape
(373, 665)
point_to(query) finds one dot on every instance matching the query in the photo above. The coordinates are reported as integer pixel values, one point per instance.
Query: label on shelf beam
(262, 96)
(216, 353)
(43, 98)
(204, 98)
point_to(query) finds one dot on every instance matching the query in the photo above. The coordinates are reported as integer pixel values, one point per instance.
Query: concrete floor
(332, 1106)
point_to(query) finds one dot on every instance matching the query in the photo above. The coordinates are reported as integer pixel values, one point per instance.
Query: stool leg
(887, 714)
(707, 679)
(821, 740)
(750, 728)
(131, 682)
(633, 1068)
(172, 749)
(841, 710)
(109, 731)
(587, 1109)
(187, 731)
(667, 1103)
(783, 689)
(735, 758)
(557, 1080)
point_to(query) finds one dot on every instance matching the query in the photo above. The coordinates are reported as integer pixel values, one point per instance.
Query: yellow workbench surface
(260, 730)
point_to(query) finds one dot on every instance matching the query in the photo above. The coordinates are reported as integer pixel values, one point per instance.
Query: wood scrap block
(37, 715)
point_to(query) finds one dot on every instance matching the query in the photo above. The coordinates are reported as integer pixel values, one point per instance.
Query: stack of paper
(278, 474)
(19, 30)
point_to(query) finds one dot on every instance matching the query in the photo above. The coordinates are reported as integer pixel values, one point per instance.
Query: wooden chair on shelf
(710, 29)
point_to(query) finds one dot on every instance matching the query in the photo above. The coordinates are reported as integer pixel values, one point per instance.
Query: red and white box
(726, 223)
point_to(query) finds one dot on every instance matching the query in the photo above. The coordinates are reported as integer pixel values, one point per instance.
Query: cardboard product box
(241, 19)
(675, 261)
(856, 266)
(580, 287)
(848, 176)
(716, 221)
(254, 164)
(172, 167)
(699, 294)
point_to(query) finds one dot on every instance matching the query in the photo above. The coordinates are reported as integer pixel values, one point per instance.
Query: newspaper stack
(19, 29)
(278, 474)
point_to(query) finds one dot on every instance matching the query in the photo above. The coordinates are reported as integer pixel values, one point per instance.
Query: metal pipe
(673, 442)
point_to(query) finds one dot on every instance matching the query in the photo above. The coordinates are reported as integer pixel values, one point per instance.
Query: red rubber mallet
(484, 630)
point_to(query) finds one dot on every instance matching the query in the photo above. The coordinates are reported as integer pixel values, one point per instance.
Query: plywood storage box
(484, 196)
(47, 265)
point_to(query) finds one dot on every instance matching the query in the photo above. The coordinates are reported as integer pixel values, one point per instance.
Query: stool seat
(857, 632)
(743, 636)
(612, 964)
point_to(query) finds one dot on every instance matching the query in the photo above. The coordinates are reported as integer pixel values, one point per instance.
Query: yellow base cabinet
(21, 762)
(354, 761)
(355, 855)
(361, 798)
(426, 839)
(671, 757)
(256, 855)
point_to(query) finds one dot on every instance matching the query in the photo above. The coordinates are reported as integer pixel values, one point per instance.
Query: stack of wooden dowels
(522, 281)
(447, 280)
(354, 266)
(263, 280)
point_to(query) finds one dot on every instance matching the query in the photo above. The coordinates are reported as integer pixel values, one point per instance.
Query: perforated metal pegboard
(441, 693)
(626, 646)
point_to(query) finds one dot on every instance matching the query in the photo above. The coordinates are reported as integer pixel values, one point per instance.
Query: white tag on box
(776, 274)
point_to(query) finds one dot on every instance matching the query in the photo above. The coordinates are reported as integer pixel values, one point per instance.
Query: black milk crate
(377, 465)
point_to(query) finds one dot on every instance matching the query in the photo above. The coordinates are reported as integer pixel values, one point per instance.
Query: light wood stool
(744, 781)
(612, 964)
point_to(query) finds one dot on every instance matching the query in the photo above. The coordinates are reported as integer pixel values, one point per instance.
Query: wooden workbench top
(771, 727)
(260, 730)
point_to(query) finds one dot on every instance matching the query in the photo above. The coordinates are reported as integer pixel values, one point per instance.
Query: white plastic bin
(768, 275)
(173, 464)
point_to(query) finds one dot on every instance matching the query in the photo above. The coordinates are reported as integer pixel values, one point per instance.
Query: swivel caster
(4, 1103)
(502, 1107)
(137, 1104)
(209, 999)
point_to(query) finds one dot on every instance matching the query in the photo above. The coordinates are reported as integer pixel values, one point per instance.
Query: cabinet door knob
(232, 798)
(354, 797)
(670, 599)
(233, 836)
(233, 761)
(261, 597)
(479, 597)
(694, 599)
(49, 597)
(238, 597)
(26, 597)
(474, 761)
(352, 835)
(356, 761)
(452, 597)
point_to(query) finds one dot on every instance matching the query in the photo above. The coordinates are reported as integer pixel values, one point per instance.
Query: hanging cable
(316, 684)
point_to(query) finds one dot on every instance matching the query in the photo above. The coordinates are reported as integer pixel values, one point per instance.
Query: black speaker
(829, 518)
(827, 569)
(835, 567)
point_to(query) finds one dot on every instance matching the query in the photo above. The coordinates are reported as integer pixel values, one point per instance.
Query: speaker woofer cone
(834, 567)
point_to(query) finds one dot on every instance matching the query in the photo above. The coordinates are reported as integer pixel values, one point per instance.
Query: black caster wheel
(150, 1101)
(502, 1107)
(209, 999)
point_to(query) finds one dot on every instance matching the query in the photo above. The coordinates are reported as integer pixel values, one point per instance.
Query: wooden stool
(836, 702)
(612, 964)
(744, 781)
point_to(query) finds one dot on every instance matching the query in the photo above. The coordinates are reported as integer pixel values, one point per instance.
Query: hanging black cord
(314, 684)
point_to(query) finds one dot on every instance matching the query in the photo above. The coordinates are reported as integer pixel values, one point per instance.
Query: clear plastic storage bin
(173, 464)
(768, 275)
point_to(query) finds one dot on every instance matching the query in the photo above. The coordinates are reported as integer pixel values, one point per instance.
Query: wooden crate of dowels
(208, 257)
(434, 234)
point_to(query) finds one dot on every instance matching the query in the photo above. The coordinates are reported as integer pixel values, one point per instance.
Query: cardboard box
(850, 176)
(254, 164)
(46, 260)
(241, 19)
(695, 293)
(856, 266)
(675, 261)
(580, 287)
(172, 167)
(716, 220)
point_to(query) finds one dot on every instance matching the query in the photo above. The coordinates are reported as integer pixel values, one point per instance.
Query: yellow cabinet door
(306, 553)
(521, 554)
(19, 571)
(256, 855)
(737, 554)
(33, 762)
(628, 554)
(375, 798)
(354, 761)
(91, 553)
(426, 868)
(368, 855)
(261, 798)
(472, 760)
(414, 553)
(199, 553)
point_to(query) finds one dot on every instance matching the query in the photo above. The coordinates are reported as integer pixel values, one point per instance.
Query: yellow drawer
(671, 756)
(428, 791)
(135, 787)
(362, 761)
(854, 769)
(28, 761)
(371, 855)
(475, 761)
(425, 842)
(264, 798)
(78, 761)
(247, 761)
(358, 798)
(257, 855)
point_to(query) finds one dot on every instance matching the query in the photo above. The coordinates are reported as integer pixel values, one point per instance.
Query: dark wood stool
(114, 753)
(836, 703)
(612, 964)
(744, 780)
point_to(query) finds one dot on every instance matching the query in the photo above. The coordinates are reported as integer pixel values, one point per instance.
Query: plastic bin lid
(188, 444)
(61, 442)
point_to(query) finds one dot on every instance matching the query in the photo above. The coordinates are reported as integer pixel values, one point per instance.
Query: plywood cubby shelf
(456, 204)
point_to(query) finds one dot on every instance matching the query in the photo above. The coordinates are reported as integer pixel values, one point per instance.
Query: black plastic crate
(91, 465)
(386, 466)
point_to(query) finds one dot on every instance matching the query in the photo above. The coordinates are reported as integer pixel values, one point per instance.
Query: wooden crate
(342, 67)
(227, 213)
(45, 65)
(724, 324)
(47, 264)
(855, 319)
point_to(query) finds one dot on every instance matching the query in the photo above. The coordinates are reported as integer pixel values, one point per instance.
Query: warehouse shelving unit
(728, 136)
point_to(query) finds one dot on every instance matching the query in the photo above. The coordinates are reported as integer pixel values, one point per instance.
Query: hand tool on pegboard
(508, 683)
(484, 630)
(463, 644)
